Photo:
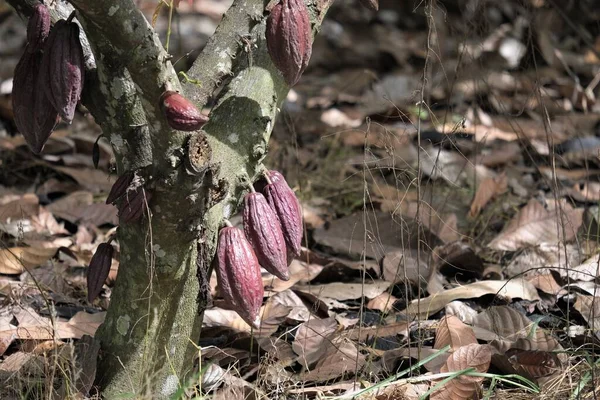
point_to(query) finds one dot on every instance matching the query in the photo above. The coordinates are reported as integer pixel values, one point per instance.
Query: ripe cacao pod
(38, 28)
(370, 4)
(238, 275)
(35, 117)
(98, 270)
(263, 231)
(119, 188)
(133, 205)
(181, 114)
(289, 38)
(284, 202)
(62, 68)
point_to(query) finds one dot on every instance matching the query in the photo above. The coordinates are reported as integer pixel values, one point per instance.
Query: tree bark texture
(154, 318)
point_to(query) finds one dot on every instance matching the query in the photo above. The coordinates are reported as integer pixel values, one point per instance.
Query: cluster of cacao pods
(181, 114)
(48, 79)
(272, 235)
(289, 38)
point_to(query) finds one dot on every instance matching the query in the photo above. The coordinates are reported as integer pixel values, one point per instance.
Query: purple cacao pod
(99, 269)
(119, 188)
(238, 275)
(284, 202)
(181, 114)
(289, 38)
(38, 28)
(133, 205)
(35, 117)
(62, 68)
(263, 231)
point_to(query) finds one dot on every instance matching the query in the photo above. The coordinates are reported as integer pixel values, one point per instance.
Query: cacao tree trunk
(154, 318)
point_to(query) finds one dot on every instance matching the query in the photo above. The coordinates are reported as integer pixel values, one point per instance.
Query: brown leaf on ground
(488, 189)
(501, 322)
(384, 302)
(346, 291)
(15, 260)
(21, 207)
(311, 338)
(475, 356)
(547, 284)
(514, 288)
(400, 265)
(537, 364)
(586, 271)
(364, 334)
(534, 225)
(587, 192)
(452, 331)
(390, 359)
(338, 358)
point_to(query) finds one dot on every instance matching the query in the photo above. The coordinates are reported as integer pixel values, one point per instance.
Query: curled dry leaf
(534, 225)
(452, 331)
(463, 387)
(487, 190)
(501, 322)
(514, 288)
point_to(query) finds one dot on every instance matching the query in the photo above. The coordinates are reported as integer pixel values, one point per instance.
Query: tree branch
(216, 60)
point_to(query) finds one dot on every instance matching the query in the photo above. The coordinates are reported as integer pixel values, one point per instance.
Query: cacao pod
(370, 4)
(62, 68)
(284, 202)
(133, 205)
(38, 28)
(35, 117)
(119, 188)
(263, 231)
(289, 38)
(181, 114)
(238, 275)
(98, 270)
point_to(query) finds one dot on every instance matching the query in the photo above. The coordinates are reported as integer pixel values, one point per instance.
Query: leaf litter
(451, 221)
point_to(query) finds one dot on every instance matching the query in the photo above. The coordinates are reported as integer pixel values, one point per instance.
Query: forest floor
(447, 159)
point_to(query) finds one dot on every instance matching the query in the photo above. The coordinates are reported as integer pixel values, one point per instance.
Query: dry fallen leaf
(311, 338)
(16, 259)
(514, 288)
(501, 322)
(452, 331)
(487, 190)
(537, 364)
(339, 357)
(384, 302)
(346, 291)
(463, 387)
(534, 225)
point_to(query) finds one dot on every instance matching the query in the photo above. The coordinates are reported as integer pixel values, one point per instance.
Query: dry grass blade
(463, 387)
(533, 225)
(453, 332)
